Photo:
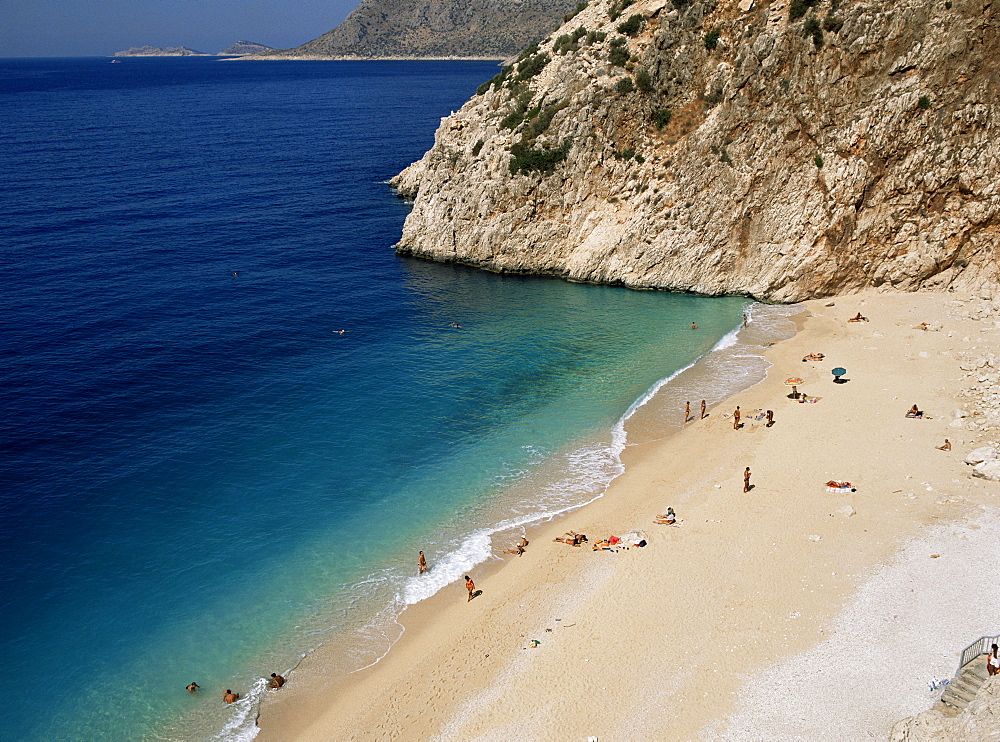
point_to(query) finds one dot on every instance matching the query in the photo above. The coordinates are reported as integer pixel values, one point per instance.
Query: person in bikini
(421, 564)
(470, 586)
(993, 661)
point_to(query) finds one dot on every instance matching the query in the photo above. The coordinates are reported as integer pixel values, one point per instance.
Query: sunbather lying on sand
(858, 318)
(571, 538)
(921, 326)
(839, 484)
(813, 357)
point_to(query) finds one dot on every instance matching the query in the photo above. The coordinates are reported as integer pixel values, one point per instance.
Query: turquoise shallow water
(202, 480)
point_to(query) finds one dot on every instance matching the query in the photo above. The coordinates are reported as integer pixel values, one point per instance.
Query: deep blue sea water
(200, 477)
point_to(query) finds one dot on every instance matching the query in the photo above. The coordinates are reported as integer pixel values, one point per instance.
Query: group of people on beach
(228, 696)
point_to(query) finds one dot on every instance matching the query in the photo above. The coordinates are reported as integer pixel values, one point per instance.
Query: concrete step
(957, 698)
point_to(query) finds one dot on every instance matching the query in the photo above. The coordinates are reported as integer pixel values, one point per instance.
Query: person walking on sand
(192, 688)
(770, 418)
(470, 586)
(687, 412)
(745, 319)
(276, 681)
(702, 410)
(230, 697)
(746, 479)
(421, 564)
(736, 418)
(993, 661)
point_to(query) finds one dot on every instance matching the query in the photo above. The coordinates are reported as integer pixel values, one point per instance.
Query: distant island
(240, 48)
(435, 29)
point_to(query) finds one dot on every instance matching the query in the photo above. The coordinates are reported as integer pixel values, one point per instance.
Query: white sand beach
(787, 612)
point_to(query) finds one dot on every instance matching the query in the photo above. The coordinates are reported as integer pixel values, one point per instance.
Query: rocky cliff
(784, 151)
(491, 29)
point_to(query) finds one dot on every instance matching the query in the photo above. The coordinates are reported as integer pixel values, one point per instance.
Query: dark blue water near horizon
(197, 469)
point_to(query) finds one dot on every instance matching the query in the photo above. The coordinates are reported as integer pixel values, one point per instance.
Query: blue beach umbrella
(838, 372)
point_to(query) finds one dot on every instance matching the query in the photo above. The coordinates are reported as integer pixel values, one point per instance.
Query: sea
(232, 415)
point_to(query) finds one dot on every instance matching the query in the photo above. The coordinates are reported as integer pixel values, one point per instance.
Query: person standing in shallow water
(702, 409)
(193, 688)
(230, 697)
(687, 411)
(421, 564)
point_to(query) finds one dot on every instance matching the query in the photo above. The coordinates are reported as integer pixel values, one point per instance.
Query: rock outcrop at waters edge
(729, 147)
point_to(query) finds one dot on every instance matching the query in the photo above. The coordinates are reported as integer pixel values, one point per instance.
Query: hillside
(491, 29)
(782, 151)
(155, 51)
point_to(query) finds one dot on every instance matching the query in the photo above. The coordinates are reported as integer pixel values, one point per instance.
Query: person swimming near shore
(276, 681)
(455, 325)
(694, 326)
(229, 697)
(192, 688)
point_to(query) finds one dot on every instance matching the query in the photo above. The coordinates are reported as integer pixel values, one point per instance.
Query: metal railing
(978, 647)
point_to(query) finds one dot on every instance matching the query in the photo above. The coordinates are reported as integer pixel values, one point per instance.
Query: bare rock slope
(752, 147)
(492, 29)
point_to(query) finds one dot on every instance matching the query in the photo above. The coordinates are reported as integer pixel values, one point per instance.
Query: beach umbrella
(795, 380)
(838, 372)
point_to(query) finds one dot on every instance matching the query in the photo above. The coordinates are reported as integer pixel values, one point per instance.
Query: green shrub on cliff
(569, 42)
(496, 81)
(531, 66)
(798, 8)
(924, 102)
(525, 159)
(540, 122)
(661, 117)
(643, 81)
(513, 119)
(711, 40)
(632, 26)
(624, 86)
(617, 8)
(618, 51)
(813, 28)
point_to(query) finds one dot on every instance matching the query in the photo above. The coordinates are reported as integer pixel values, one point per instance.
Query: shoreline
(462, 671)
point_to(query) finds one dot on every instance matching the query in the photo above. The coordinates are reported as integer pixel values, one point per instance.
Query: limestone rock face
(794, 159)
(980, 722)
(987, 470)
(979, 455)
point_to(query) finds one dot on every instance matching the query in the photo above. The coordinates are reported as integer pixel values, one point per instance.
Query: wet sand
(670, 640)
